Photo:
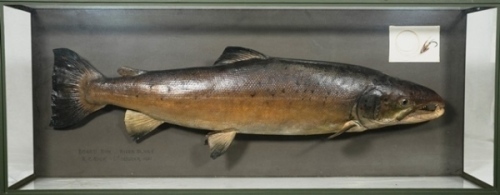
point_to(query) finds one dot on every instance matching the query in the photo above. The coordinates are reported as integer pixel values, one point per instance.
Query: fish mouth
(424, 112)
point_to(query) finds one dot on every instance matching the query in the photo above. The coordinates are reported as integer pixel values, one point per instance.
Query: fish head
(395, 102)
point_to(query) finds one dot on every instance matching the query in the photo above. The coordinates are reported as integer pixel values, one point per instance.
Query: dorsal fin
(237, 54)
(128, 72)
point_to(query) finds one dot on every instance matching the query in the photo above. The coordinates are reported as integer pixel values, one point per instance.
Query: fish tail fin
(70, 80)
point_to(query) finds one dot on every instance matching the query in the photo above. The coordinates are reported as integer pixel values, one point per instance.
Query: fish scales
(244, 92)
(256, 97)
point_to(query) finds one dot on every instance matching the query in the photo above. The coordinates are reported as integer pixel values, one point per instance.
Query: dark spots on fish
(195, 97)
(259, 83)
(149, 79)
(273, 94)
(290, 103)
(137, 96)
(329, 92)
(283, 90)
(310, 98)
(305, 90)
(312, 91)
(161, 99)
(297, 82)
(253, 94)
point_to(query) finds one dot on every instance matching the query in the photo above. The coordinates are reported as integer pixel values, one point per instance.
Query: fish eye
(404, 102)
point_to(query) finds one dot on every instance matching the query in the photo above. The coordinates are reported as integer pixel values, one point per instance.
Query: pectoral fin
(219, 142)
(139, 124)
(347, 126)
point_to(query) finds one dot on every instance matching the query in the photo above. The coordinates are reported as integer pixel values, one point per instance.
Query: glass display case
(448, 46)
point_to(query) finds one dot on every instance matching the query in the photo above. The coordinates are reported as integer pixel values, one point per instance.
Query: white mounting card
(414, 43)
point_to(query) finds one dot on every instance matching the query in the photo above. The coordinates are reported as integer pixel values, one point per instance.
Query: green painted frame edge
(473, 2)
(496, 146)
(3, 126)
(263, 191)
(375, 3)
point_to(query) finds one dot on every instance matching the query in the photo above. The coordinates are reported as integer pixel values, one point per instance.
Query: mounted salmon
(244, 92)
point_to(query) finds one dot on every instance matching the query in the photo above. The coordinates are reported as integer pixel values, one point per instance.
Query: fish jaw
(428, 105)
(424, 112)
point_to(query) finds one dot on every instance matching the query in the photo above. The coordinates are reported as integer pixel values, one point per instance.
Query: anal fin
(139, 124)
(219, 142)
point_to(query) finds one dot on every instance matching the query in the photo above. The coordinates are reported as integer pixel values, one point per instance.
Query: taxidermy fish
(245, 92)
